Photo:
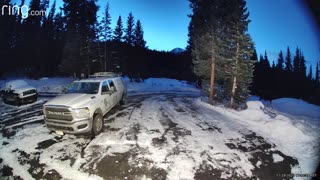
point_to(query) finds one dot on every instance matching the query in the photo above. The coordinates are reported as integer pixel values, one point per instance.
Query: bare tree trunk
(212, 77)
(234, 83)
(234, 86)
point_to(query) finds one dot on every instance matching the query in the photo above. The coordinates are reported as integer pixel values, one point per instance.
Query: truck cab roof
(97, 79)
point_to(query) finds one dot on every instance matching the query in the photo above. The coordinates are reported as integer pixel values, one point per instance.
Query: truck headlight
(81, 113)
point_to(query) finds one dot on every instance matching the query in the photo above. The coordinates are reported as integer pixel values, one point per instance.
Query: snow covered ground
(165, 132)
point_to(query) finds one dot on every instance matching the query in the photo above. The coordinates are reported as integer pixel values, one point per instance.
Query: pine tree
(220, 38)
(129, 30)
(79, 51)
(296, 62)
(59, 26)
(288, 65)
(302, 65)
(261, 60)
(105, 23)
(242, 67)
(118, 31)
(48, 22)
(254, 56)
(8, 34)
(273, 65)
(310, 73)
(138, 35)
(280, 61)
(203, 34)
(104, 34)
(317, 76)
(266, 62)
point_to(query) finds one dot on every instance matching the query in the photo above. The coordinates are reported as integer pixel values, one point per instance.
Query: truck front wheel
(97, 125)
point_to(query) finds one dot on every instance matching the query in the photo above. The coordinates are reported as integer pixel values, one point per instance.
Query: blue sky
(275, 24)
(165, 22)
(278, 24)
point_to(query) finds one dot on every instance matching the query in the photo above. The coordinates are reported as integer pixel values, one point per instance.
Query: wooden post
(212, 77)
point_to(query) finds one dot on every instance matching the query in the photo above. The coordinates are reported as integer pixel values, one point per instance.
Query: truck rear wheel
(97, 124)
(123, 100)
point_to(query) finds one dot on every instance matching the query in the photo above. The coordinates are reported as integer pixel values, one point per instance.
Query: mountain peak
(177, 50)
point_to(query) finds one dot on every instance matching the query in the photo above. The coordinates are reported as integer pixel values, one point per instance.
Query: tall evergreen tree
(105, 23)
(8, 35)
(254, 56)
(220, 38)
(265, 61)
(280, 61)
(59, 27)
(302, 65)
(129, 30)
(203, 34)
(296, 61)
(310, 73)
(288, 64)
(242, 45)
(118, 31)
(273, 65)
(138, 35)
(317, 75)
(79, 51)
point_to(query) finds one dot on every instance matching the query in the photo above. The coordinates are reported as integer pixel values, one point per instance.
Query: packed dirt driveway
(156, 135)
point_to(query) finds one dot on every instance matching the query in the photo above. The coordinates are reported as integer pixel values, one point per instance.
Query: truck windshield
(84, 87)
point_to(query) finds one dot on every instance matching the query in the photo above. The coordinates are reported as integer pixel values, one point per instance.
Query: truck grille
(58, 113)
(32, 91)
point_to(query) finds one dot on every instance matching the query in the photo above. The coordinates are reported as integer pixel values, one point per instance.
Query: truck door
(106, 99)
(114, 92)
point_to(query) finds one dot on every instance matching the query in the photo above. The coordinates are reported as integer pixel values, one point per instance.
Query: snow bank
(159, 84)
(297, 107)
(290, 131)
(51, 85)
(15, 84)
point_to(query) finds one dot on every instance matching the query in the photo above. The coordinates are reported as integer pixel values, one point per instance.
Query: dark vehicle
(18, 92)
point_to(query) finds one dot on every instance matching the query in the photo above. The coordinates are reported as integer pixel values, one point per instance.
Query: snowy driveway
(164, 135)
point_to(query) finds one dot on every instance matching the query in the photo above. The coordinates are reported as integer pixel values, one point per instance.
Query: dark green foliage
(280, 62)
(79, 51)
(310, 73)
(118, 31)
(317, 76)
(288, 63)
(106, 31)
(296, 61)
(214, 31)
(271, 83)
(129, 36)
(138, 39)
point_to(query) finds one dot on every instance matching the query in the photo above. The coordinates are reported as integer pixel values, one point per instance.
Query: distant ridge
(177, 50)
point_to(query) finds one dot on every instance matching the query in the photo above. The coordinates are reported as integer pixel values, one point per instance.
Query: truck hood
(74, 100)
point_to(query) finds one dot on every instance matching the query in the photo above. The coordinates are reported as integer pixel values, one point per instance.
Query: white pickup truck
(81, 110)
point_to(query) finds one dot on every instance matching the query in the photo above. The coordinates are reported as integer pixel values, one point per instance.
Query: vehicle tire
(123, 100)
(97, 124)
